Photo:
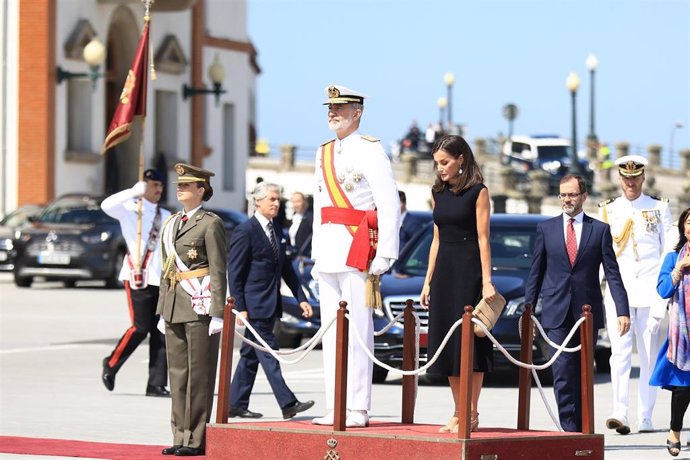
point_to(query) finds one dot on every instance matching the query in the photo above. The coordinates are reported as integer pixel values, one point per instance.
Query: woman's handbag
(488, 313)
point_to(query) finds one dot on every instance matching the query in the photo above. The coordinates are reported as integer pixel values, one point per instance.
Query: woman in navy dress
(459, 270)
(672, 370)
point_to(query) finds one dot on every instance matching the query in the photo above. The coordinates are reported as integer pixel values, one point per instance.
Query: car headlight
(94, 238)
(18, 235)
(8, 244)
(551, 166)
(515, 307)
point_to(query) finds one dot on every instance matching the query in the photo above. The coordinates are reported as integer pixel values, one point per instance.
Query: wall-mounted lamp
(94, 55)
(216, 72)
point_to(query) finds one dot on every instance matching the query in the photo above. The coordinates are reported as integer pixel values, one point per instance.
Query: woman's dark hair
(208, 190)
(682, 239)
(456, 146)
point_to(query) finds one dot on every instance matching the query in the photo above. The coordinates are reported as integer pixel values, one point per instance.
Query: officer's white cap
(631, 165)
(338, 94)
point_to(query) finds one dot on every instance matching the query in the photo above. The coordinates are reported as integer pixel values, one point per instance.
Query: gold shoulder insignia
(328, 142)
(369, 138)
(658, 198)
(604, 203)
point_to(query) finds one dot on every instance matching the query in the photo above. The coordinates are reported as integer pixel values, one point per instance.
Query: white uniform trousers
(621, 361)
(347, 286)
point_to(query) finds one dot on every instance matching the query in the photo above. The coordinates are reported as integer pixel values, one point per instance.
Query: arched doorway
(122, 161)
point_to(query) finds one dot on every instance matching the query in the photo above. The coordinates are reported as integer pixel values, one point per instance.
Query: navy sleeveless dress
(457, 280)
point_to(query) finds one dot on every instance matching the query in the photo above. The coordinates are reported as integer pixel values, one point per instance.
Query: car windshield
(69, 213)
(552, 152)
(511, 248)
(19, 216)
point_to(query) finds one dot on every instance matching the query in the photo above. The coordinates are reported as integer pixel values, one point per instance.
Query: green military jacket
(200, 243)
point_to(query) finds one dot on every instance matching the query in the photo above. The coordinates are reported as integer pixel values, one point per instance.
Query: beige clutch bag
(488, 313)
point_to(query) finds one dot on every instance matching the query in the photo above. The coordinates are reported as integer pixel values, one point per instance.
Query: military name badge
(651, 218)
(191, 254)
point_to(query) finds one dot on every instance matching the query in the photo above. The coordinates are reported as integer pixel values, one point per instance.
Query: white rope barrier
(277, 353)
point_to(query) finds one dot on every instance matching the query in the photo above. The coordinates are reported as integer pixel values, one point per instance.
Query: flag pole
(140, 204)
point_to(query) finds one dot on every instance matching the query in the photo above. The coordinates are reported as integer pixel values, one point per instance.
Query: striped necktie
(272, 239)
(571, 242)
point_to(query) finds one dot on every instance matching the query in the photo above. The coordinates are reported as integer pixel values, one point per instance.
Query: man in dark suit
(568, 251)
(257, 264)
(301, 226)
(410, 225)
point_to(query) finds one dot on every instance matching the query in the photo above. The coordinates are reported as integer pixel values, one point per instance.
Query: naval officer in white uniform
(639, 224)
(355, 190)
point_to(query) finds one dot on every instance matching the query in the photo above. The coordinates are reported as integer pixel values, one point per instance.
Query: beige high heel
(450, 426)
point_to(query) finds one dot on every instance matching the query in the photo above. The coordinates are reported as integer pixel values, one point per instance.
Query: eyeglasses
(563, 196)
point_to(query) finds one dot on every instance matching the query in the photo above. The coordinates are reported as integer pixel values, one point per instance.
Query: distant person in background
(638, 225)
(141, 284)
(409, 225)
(257, 264)
(672, 370)
(300, 230)
(411, 140)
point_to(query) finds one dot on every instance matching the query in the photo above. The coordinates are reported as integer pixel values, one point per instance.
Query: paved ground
(52, 341)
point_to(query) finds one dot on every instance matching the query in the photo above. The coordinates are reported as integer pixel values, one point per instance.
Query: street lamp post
(591, 63)
(449, 80)
(442, 102)
(573, 83)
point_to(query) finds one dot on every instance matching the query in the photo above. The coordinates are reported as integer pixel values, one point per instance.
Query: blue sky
(397, 52)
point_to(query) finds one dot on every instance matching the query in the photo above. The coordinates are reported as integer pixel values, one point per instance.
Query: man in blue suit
(568, 251)
(257, 265)
(409, 225)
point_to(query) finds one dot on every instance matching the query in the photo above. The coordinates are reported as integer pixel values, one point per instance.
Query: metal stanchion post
(340, 409)
(587, 368)
(227, 344)
(464, 391)
(408, 386)
(525, 375)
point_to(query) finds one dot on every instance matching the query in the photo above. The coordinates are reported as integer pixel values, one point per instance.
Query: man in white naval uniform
(141, 279)
(355, 184)
(639, 225)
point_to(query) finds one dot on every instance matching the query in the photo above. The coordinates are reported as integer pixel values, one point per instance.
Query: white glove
(161, 325)
(380, 265)
(139, 188)
(653, 325)
(215, 326)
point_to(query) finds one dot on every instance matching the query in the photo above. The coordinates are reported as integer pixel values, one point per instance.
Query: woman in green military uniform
(191, 302)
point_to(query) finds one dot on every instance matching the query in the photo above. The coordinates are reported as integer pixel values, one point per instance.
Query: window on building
(79, 117)
(229, 138)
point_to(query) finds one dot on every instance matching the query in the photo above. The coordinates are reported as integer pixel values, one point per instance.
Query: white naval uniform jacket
(123, 207)
(640, 260)
(366, 176)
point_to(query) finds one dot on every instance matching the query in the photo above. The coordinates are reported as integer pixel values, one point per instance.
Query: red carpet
(68, 448)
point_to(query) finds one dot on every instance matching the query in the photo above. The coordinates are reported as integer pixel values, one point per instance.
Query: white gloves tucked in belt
(215, 326)
(380, 265)
(161, 325)
(653, 324)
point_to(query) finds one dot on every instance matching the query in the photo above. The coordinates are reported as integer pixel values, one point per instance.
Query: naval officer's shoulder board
(369, 138)
(658, 198)
(604, 203)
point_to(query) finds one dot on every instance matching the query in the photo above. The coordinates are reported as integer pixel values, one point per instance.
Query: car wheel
(285, 339)
(113, 282)
(379, 375)
(601, 359)
(23, 281)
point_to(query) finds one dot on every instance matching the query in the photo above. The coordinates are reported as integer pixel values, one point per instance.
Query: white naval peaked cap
(338, 94)
(631, 165)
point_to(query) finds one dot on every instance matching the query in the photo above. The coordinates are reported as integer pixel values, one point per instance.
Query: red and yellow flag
(133, 96)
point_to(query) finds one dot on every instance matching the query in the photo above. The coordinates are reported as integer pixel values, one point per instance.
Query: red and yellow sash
(362, 225)
(338, 197)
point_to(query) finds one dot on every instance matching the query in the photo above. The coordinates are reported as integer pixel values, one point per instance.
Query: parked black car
(71, 240)
(8, 226)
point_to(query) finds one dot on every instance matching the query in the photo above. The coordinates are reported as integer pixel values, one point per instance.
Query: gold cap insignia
(179, 169)
(333, 91)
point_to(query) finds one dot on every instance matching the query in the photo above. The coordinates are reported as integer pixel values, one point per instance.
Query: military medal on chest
(349, 178)
(651, 218)
(192, 254)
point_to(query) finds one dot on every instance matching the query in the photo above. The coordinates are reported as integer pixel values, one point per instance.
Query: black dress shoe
(157, 390)
(293, 409)
(108, 376)
(170, 450)
(186, 451)
(243, 413)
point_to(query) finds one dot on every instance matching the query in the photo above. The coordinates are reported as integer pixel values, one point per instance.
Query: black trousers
(142, 312)
(680, 398)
